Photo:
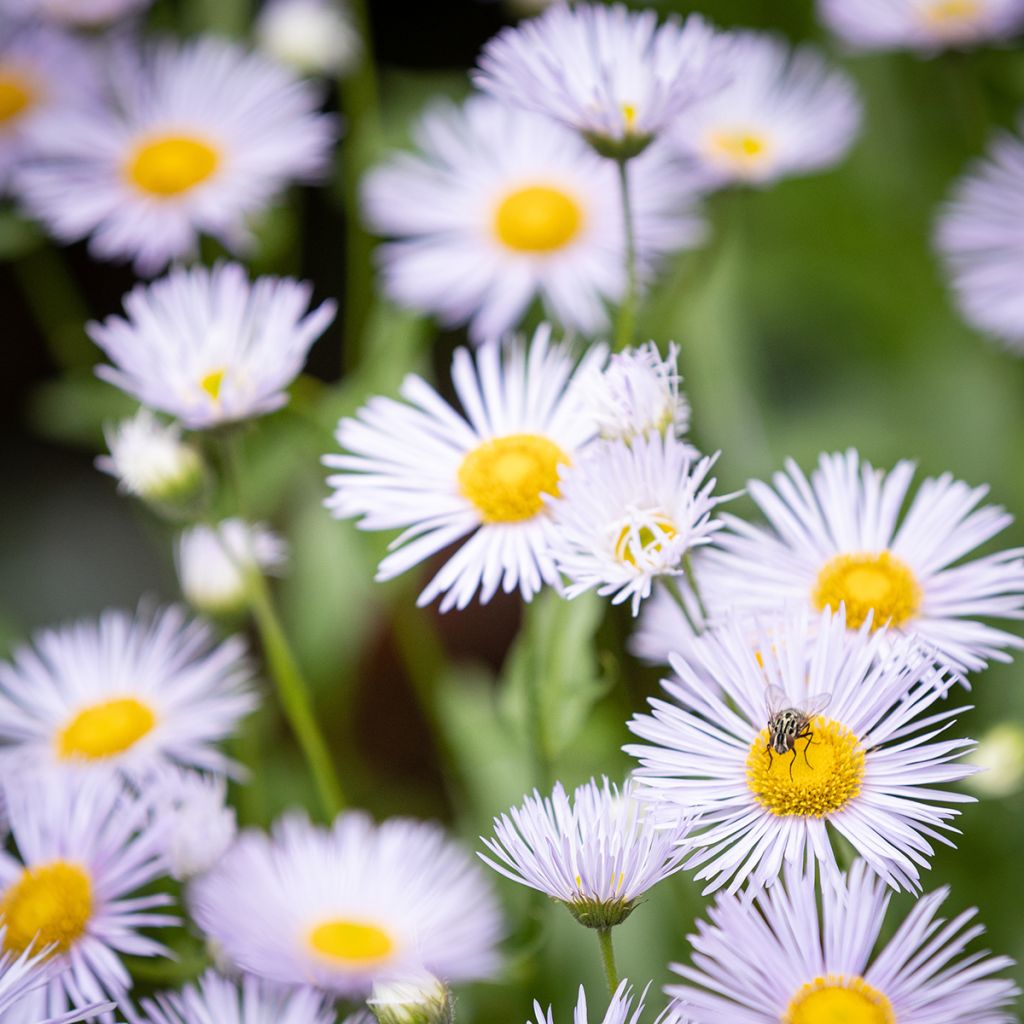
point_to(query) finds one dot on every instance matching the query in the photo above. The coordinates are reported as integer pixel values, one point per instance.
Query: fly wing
(815, 704)
(776, 700)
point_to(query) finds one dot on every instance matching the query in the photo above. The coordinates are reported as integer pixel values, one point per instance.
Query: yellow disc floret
(351, 942)
(952, 14)
(741, 150)
(49, 905)
(212, 382)
(506, 478)
(171, 164)
(16, 96)
(836, 999)
(823, 776)
(105, 729)
(866, 583)
(640, 545)
(537, 219)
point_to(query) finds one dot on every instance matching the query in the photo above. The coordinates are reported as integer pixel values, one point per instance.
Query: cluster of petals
(620, 1009)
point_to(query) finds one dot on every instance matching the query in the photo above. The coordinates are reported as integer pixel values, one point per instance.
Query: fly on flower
(787, 724)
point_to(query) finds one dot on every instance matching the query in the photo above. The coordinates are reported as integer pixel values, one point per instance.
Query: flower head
(344, 907)
(627, 514)
(195, 139)
(503, 206)
(209, 346)
(779, 744)
(981, 237)
(783, 112)
(839, 539)
(620, 1009)
(597, 853)
(781, 957)
(480, 477)
(315, 37)
(614, 75)
(135, 693)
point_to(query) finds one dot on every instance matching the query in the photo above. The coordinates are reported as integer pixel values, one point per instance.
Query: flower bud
(422, 999)
(197, 821)
(314, 37)
(1000, 753)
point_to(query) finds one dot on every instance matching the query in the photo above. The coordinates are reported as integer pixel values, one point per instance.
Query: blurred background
(815, 318)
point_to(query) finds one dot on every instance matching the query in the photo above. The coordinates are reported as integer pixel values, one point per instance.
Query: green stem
(625, 328)
(676, 594)
(604, 939)
(691, 579)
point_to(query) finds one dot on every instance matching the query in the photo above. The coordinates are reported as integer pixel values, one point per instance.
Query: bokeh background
(815, 318)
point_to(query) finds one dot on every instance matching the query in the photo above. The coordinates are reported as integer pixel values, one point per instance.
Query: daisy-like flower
(347, 906)
(503, 205)
(783, 112)
(75, 13)
(85, 847)
(840, 539)
(981, 237)
(442, 476)
(628, 514)
(209, 346)
(860, 760)
(614, 75)
(637, 394)
(782, 958)
(148, 458)
(196, 138)
(41, 69)
(923, 25)
(215, 563)
(131, 692)
(248, 1000)
(597, 853)
(620, 1009)
(315, 37)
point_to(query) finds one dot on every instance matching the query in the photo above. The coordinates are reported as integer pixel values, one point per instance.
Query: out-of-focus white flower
(315, 37)
(195, 138)
(78, 13)
(923, 25)
(149, 459)
(1000, 756)
(981, 236)
(612, 74)
(784, 111)
(215, 563)
(211, 346)
(196, 820)
(416, 999)
(503, 206)
(620, 1009)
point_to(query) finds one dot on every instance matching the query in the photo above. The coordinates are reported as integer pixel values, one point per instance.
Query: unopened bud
(419, 1000)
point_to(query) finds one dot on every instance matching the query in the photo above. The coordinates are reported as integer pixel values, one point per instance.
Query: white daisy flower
(148, 458)
(840, 539)
(502, 206)
(859, 759)
(637, 393)
(198, 823)
(247, 1000)
(612, 74)
(442, 476)
(781, 957)
(315, 37)
(209, 346)
(620, 1009)
(196, 138)
(923, 25)
(131, 692)
(598, 853)
(85, 847)
(343, 907)
(784, 111)
(41, 69)
(981, 237)
(215, 563)
(74, 13)
(627, 514)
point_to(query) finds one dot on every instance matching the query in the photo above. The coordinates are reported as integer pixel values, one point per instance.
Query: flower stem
(625, 328)
(604, 939)
(677, 595)
(691, 579)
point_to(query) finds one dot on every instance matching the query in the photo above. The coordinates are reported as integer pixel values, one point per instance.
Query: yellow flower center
(172, 164)
(837, 999)
(49, 905)
(743, 150)
(879, 583)
(16, 95)
(951, 13)
(629, 116)
(105, 729)
(821, 773)
(212, 382)
(537, 218)
(506, 477)
(641, 545)
(352, 942)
